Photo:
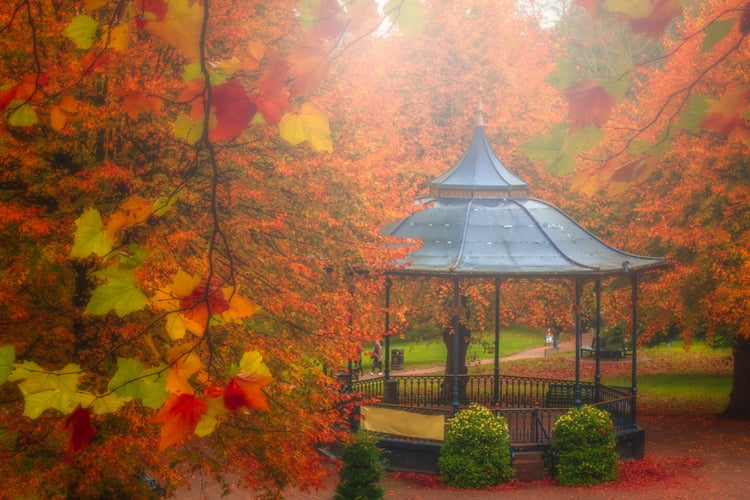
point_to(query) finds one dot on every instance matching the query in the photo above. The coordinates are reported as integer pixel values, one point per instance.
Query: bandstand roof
(480, 221)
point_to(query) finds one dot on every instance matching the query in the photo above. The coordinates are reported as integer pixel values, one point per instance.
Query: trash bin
(397, 359)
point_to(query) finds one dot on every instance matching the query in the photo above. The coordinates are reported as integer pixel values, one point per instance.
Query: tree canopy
(192, 192)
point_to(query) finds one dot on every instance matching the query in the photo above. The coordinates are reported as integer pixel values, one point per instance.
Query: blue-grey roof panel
(507, 237)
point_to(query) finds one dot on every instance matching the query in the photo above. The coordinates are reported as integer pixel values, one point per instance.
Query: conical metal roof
(481, 222)
(479, 174)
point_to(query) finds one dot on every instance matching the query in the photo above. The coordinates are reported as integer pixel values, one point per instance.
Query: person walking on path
(377, 358)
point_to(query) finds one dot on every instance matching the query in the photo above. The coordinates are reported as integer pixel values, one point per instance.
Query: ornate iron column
(387, 347)
(597, 341)
(577, 311)
(455, 403)
(496, 382)
(634, 344)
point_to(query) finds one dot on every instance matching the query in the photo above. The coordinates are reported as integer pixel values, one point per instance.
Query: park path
(535, 352)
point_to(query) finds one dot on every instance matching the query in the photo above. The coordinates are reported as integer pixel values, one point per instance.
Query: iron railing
(530, 405)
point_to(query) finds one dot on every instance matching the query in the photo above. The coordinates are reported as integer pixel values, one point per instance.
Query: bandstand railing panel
(530, 405)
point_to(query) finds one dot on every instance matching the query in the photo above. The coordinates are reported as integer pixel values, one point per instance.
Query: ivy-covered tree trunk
(464, 337)
(739, 398)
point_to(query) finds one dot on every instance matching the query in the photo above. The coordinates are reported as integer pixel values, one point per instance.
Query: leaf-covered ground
(690, 452)
(688, 456)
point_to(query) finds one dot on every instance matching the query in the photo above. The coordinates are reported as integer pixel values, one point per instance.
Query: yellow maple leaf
(239, 306)
(132, 212)
(169, 299)
(93, 4)
(119, 37)
(180, 27)
(309, 124)
(183, 365)
(215, 409)
(57, 118)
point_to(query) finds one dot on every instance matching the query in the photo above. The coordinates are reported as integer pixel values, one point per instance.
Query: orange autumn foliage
(179, 416)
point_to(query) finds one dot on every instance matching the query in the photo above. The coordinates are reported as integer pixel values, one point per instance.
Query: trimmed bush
(476, 450)
(361, 470)
(582, 448)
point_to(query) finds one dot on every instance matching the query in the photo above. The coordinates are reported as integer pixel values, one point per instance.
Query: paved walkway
(535, 352)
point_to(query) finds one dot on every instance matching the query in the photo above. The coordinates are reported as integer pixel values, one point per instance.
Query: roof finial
(480, 111)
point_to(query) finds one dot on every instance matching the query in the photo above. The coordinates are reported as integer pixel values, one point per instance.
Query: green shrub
(476, 449)
(361, 470)
(582, 448)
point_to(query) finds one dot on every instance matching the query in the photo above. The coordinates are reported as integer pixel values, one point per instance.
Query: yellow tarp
(402, 423)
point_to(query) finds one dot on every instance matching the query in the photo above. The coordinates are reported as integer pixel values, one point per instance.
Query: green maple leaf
(564, 74)
(132, 380)
(109, 403)
(7, 356)
(557, 149)
(119, 293)
(582, 140)
(44, 390)
(694, 113)
(548, 148)
(188, 130)
(82, 30)
(716, 32)
(634, 9)
(21, 114)
(407, 14)
(619, 83)
(90, 237)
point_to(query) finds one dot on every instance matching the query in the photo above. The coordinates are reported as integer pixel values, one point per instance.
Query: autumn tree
(429, 88)
(656, 140)
(182, 240)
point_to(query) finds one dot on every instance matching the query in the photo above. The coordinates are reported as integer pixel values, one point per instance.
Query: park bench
(606, 352)
(563, 395)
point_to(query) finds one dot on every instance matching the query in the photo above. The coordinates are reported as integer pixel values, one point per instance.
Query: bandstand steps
(529, 465)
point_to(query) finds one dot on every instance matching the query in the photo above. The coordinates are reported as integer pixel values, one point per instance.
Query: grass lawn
(673, 381)
(670, 379)
(421, 353)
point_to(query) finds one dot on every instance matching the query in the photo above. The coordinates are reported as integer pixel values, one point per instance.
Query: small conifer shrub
(362, 469)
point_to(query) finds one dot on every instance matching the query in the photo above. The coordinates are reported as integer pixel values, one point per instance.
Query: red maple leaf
(745, 19)
(157, 8)
(7, 95)
(180, 415)
(233, 109)
(657, 21)
(246, 390)
(328, 24)
(95, 59)
(588, 104)
(589, 5)
(308, 65)
(271, 98)
(201, 293)
(727, 114)
(81, 430)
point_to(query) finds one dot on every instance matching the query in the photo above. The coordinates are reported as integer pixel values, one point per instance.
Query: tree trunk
(739, 398)
(463, 345)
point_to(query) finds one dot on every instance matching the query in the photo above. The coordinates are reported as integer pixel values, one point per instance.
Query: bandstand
(480, 223)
